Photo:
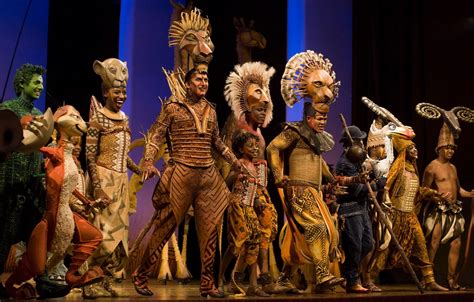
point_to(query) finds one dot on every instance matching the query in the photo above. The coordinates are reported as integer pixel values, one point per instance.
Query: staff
(354, 149)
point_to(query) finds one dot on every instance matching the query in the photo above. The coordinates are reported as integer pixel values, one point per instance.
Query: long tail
(182, 271)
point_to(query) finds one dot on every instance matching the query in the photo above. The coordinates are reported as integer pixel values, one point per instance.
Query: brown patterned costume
(190, 179)
(303, 193)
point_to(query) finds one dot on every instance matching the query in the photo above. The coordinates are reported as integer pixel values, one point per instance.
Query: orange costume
(58, 227)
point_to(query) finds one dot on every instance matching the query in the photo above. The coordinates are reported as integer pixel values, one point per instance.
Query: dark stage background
(404, 52)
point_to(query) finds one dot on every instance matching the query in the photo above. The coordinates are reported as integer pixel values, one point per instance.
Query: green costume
(21, 190)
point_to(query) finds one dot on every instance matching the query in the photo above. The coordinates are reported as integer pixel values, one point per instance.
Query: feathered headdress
(298, 68)
(237, 82)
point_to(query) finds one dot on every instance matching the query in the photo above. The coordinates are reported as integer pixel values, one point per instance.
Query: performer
(404, 191)
(107, 145)
(22, 201)
(444, 222)
(247, 93)
(356, 235)
(244, 230)
(379, 159)
(307, 74)
(190, 123)
(59, 225)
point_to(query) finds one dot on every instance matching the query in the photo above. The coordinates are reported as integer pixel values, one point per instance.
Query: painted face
(258, 113)
(198, 84)
(198, 45)
(33, 89)
(320, 86)
(447, 152)
(317, 122)
(115, 97)
(412, 152)
(250, 149)
(378, 152)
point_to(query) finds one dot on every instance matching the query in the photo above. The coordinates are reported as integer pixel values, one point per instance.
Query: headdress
(445, 138)
(114, 73)
(375, 137)
(451, 128)
(394, 178)
(189, 21)
(298, 68)
(237, 82)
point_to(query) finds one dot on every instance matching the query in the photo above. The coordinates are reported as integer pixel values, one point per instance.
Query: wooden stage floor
(176, 292)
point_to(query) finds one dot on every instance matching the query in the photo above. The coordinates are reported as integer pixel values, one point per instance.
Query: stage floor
(176, 292)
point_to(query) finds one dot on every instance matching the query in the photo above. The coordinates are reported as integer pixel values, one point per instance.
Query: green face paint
(33, 89)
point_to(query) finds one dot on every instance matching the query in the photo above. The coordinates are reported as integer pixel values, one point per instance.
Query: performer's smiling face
(33, 89)
(250, 149)
(412, 152)
(198, 84)
(115, 97)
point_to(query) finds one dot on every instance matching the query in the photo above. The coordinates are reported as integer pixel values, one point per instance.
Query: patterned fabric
(19, 168)
(113, 221)
(268, 218)
(407, 230)
(193, 130)
(180, 187)
(450, 218)
(108, 142)
(312, 214)
(243, 228)
(107, 146)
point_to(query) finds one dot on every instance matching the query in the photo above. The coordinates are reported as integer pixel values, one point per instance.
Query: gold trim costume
(405, 193)
(310, 235)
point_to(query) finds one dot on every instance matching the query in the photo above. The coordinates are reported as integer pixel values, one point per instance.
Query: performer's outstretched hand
(149, 170)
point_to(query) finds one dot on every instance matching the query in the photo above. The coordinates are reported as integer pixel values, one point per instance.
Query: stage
(176, 292)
